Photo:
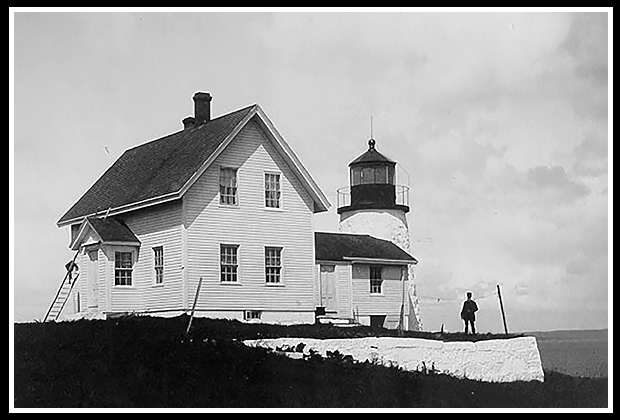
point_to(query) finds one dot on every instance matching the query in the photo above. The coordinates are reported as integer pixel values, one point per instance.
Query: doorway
(377, 321)
(329, 298)
(93, 279)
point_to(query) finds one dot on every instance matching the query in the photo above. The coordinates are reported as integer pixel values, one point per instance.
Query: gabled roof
(349, 247)
(164, 169)
(107, 230)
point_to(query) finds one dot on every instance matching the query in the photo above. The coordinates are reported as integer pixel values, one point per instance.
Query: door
(328, 288)
(93, 279)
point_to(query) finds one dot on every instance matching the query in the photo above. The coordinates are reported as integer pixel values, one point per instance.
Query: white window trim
(281, 283)
(281, 206)
(133, 264)
(163, 267)
(219, 256)
(371, 293)
(219, 193)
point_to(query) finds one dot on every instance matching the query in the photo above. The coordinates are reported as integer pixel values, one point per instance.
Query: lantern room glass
(383, 174)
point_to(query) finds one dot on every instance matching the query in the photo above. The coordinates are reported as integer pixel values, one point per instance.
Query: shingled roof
(156, 168)
(164, 168)
(111, 230)
(347, 247)
(108, 229)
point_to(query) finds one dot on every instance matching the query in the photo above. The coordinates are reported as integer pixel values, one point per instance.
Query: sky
(498, 122)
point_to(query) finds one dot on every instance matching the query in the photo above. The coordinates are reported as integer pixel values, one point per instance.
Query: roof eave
(382, 162)
(387, 261)
(112, 211)
(320, 199)
(80, 234)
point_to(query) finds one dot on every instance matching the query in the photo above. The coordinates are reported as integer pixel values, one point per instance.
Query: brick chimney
(188, 122)
(202, 107)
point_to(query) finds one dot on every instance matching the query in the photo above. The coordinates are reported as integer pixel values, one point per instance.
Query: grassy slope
(145, 362)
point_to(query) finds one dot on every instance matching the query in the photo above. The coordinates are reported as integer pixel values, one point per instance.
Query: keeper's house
(227, 200)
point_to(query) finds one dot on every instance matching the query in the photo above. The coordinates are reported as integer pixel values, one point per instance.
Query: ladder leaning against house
(63, 293)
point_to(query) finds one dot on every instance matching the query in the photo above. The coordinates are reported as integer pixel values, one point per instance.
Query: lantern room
(372, 184)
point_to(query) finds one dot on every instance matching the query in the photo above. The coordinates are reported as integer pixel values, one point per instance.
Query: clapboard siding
(154, 226)
(253, 227)
(388, 303)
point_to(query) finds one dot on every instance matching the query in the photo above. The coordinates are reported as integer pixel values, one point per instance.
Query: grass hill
(147, 362)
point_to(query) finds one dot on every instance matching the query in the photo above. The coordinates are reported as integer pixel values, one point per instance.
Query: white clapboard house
(225, 200)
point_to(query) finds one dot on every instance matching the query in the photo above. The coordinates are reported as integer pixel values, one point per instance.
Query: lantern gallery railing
(373, 196)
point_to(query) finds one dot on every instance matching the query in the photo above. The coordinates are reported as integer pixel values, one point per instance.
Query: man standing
(468, 313)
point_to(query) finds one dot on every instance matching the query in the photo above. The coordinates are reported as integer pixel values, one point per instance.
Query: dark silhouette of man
(468, 314)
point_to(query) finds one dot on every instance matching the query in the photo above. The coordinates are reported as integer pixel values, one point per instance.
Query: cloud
(587, 43)
(591, 155)
(553, 182)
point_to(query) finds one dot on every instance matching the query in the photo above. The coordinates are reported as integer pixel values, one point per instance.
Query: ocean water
(574, 352)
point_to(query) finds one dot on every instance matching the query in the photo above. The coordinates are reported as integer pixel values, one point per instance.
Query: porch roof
(347, 247)
(108, 230)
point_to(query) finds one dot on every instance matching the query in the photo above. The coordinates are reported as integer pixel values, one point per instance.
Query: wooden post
(191, 317)
(501, 306)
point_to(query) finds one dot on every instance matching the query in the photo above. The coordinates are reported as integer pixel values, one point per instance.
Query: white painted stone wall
(390, 225)
(508, 360)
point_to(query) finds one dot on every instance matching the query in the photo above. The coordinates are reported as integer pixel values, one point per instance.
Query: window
(390, 175)
(368, 176)
(272, 190)
(376, 279)
(381, 175)
(123, 263)
(356, 176)
(273, 265)
(372, 175)
(158, 253)
(250, 315)
(228, 186)
(228, 263)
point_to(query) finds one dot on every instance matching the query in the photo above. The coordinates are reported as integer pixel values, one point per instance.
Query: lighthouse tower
(374, 204)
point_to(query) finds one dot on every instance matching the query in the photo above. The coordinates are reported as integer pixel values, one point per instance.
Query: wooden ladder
(63, 293)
